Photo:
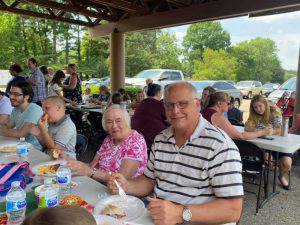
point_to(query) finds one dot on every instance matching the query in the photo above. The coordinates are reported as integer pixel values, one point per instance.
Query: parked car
(97, 81)
(250, 88)
(159, 76)
(219, 86)
(268, 88)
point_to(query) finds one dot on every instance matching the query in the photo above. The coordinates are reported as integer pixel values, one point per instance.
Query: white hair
(187, 84)
(124, 112)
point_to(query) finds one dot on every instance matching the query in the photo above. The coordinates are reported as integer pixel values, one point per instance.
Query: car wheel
(236, 103)
(249, 96)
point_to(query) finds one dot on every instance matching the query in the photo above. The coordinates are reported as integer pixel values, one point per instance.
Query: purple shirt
(149, 119)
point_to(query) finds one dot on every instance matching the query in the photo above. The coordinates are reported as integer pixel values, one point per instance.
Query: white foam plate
(134, 207)
(100, 219)
(35, 169)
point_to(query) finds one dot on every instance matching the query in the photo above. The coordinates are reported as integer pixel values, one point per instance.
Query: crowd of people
(178, 149)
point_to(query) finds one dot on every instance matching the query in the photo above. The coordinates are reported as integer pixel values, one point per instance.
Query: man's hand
(111, 186)
(164, 212)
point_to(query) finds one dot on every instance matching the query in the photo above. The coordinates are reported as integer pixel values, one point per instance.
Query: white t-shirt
(5, 106)
(52, 91)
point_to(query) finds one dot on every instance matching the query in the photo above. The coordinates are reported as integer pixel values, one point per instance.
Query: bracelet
(93, 172)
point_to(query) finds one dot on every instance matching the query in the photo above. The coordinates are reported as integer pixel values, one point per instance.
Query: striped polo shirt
(206, 167)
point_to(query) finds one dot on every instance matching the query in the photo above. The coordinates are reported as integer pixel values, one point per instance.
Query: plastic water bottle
(22, 149)
(48, 195)
(15, 204)
(63, 179)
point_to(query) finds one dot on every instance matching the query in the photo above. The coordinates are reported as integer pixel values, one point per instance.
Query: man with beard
(23, 115)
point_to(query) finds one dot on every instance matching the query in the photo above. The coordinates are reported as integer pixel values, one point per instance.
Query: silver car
(219, 86)
(250, 88)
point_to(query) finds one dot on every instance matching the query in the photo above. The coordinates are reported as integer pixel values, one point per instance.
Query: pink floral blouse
(111, 155)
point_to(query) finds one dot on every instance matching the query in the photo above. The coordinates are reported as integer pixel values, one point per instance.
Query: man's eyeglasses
(180, 105)
(14, 94)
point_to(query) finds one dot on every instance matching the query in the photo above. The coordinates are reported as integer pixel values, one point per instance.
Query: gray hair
(185, 83)
(124, 112)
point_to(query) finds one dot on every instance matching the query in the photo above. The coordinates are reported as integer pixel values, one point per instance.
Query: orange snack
(44, 117)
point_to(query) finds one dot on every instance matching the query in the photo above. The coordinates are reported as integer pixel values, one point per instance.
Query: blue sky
(284, 29)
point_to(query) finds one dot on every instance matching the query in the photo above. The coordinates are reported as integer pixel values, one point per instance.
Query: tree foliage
(204, 35)
(258, 60)
(215, 65)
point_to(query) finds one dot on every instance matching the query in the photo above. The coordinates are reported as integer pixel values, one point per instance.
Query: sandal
(286, 187)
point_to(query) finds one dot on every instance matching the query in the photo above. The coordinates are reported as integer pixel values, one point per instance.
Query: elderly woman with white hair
(123, 151)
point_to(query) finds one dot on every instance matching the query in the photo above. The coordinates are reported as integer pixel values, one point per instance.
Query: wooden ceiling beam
(214, 10)
(44, 16)
(70, 8)
(126, 6)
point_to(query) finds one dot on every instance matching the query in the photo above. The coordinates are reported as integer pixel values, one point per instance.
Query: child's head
(140, 96)
(87, 91)
(259, 105)
(116, 98)
(58, 77)
(61, 215)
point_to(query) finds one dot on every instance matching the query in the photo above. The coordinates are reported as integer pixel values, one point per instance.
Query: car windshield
(244, 83)
(289, 84)
(152, 74)
(268, 85)
(201, 85)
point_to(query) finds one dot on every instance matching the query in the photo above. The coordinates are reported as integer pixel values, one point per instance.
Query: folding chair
(253, 166)
(81, 145)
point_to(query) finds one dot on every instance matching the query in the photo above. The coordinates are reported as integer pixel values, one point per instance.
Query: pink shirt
(111, 155)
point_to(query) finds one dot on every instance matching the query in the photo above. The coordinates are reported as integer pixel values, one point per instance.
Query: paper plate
(134, 207)
(36, 169)
(105, 220)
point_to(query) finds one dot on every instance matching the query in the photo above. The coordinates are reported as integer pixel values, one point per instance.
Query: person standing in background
(14, 70)
(50, 71)
(44, 70)
(72, 85)
(37, 81)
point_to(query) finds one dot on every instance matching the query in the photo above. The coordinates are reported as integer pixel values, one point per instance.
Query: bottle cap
(15, 184)
(48, 181)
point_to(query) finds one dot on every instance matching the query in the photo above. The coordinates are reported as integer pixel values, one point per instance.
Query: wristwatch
(186, 214)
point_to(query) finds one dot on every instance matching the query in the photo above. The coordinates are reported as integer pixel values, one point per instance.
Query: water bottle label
(22, 150)
(64, 180)
(15, 205)
(48, 202)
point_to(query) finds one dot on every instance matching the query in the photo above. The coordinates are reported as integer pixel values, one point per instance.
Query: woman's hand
(79, 168)
(111, 186)
(268, 131)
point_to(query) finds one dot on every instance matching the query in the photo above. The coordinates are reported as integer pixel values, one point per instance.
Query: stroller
(287, 103)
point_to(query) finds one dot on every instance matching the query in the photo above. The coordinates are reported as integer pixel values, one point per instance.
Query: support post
(117, 60)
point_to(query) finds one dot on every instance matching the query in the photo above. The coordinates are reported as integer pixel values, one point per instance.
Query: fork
(121, 191)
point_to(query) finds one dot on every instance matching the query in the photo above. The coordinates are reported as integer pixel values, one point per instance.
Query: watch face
(187, 215)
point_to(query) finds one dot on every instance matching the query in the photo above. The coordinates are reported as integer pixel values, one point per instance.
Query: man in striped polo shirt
(194, 168)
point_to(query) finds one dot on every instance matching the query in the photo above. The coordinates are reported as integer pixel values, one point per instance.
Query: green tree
(258, 60)
(215, 65)
(95, 53)
(167, 52)
(203, 35)
(140, 48)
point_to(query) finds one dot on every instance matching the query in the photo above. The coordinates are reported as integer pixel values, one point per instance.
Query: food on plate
(55, 153)
(8, 148)
(105, 223)
(113, 211)
(44, 117)
(48, 169)
(3, 219)
(73, 200)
